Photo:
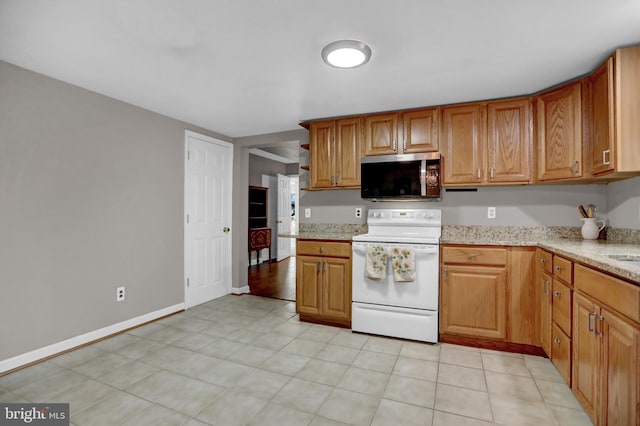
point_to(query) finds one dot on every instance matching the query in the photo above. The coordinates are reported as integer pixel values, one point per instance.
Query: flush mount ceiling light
(346, 53)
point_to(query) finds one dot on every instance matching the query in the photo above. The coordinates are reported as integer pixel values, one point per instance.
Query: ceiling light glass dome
(346, 54)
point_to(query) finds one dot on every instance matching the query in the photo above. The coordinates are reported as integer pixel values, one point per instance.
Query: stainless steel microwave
(408, 177)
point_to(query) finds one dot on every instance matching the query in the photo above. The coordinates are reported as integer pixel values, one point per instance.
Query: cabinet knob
(558, 268)
(321, 249)
(473, 256)
(557, 293)
(542, 261)
(556, 340)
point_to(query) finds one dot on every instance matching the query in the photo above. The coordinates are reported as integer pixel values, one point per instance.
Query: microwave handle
(423, 178)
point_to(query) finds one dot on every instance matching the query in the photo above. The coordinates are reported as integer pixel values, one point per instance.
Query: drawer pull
(321, 249)
(558, 268)
(473, 256)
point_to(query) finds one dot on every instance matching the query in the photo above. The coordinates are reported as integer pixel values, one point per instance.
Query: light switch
(307, 212)
(491, 213)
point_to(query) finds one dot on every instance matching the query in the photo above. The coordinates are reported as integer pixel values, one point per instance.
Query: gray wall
(533, 205)
(91, 198)
(623, 203)
(259, 166)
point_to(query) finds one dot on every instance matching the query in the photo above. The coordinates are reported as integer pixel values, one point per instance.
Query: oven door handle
(426, 249)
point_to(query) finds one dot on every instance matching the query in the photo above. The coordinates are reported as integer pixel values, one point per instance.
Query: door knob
(226, 229)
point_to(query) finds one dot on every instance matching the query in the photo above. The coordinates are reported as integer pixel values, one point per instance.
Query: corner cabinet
(334, 153)
(559, 130)
(323, 282)
(613, 98)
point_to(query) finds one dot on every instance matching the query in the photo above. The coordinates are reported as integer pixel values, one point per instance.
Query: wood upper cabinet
(381, 134)
(463, 144)
(509, 140)
(420, 130)
(600, 139)
(613, 99)
(334, 153)
(559, 133)
(487, 143)
(323, 281)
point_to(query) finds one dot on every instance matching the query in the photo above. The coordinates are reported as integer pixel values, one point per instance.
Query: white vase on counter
(591, 227)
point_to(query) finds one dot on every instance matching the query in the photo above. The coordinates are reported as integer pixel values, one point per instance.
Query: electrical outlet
(491, 213)
(119, 294)
(358, 212)
(307, 212)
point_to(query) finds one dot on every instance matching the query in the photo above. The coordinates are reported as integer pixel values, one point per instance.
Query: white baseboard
(55, 348)
(240, 290)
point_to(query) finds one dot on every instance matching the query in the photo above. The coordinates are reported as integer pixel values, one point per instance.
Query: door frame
(204, 138)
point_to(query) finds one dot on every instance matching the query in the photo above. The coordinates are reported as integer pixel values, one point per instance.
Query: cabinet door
(509, 141)
(309, 285)
(321, 145)
(601, 137)
(586, 345)
(620, 369)
(474, 301)
(561, 306)
(420, 130)
(545, 285)
(522, 295)
(381, 134)
(347, 152)
(462, 139)
(337, 288)
(561, 352)
(559, 116)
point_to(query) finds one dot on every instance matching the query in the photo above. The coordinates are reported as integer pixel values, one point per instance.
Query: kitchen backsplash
(513, 234)
(332, 228)
(623, 235)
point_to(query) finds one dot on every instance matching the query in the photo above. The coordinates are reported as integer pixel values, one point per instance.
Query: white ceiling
(241, 67)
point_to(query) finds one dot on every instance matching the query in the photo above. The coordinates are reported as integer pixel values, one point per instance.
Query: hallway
(276, 280)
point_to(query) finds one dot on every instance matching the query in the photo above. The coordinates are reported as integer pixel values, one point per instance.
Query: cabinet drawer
(324, 248)
(546, 261)
(474, 255)
(561, 311)
(563, 269)
(561, 353)
(617, 294)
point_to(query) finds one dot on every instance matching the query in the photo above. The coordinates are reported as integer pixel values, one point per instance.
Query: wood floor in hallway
(276, 279)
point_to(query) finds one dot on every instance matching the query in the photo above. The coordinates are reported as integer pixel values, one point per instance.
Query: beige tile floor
(247, 360)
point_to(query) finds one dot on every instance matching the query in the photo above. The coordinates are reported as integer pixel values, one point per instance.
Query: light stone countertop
(330, 236)
(595, 253)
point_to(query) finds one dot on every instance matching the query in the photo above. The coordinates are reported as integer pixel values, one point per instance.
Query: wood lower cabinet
(606, 354)
(474, 301)
(554, 278)
(323, 281)
(559, 133)
(473, 292)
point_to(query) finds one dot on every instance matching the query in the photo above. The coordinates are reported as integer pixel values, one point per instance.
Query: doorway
(207, 215)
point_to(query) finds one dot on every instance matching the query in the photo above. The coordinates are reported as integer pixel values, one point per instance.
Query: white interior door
(207, 246)
(284, 217)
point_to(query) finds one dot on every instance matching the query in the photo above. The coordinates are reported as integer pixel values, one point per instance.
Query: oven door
(422, 293)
